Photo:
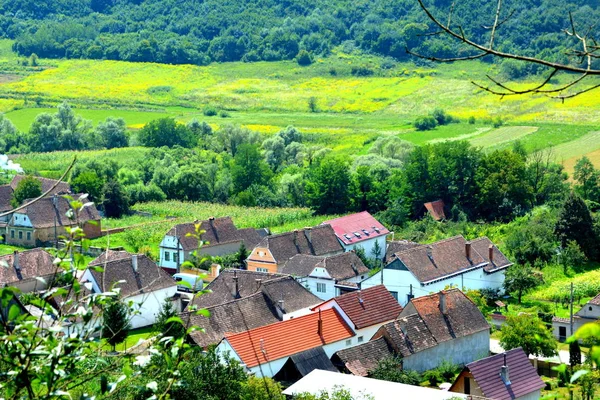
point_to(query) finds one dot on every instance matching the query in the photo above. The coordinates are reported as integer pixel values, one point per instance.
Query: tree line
(200, 32)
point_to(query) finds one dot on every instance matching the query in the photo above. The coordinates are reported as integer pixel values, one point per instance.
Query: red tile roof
(522, 375)
(368, 307)
(596, 300)
(436, 209)
(356, 228)
(281, 339)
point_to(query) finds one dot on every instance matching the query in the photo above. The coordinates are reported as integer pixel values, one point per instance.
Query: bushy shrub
(441, 117)
(425, 123)
(303, 58)
(434, 377)
(209, 111)
(361, 70)
(224, 114)
(471, 120)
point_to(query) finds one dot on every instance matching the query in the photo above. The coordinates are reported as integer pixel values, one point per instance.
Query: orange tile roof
(281, 339)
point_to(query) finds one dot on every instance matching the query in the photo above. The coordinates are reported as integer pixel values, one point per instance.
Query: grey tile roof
(61, 188)
(448, 257)
(362, 359)
(309, 360)
(462, 317)
(30, 264)
(217, 231)
(522, 375)
(398, 246)
(340, 266)
(232, 317)
(6, 192)
(317, 241)
(149, 277)
(45, 212)
(408, 335)
(276, 286)
(110, 255)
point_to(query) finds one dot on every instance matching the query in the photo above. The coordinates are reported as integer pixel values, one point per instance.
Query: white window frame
(321, 286)
(262, 269)
(168, 256)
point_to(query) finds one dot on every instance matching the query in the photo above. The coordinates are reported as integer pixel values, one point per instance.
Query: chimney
(491, 254)
(236, 294)
(16, 264)
(320, 325)
(468, 251)
(134, 262)
(504, 372)
(214, 270)
(443, 307)
(258, 284)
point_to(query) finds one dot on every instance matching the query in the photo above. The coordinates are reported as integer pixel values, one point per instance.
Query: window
(361, 339)
(175, 257)
(349, 342)
(590, 308)
(394, 295)
(562, 333)
(259, 269)
(321, 288)
(467, 385)
(167, 256)
(20, 234)
(12, 234)
(28, 235)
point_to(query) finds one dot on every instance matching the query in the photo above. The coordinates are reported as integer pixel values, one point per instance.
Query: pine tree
(242, 255)
(575, 223)
(574, 354)
(166, 327)
(115, 325)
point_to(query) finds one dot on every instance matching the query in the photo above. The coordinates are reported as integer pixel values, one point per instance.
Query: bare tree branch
(587, 52)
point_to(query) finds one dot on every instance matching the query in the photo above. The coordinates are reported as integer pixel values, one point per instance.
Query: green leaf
(14, 312)
(174, 319)
(562, 368)
(203, 312)
(578, 374)
(587, 331)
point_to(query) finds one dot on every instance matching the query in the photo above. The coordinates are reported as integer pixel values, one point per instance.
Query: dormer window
(365, 232)
(357, 234)
(347, 236)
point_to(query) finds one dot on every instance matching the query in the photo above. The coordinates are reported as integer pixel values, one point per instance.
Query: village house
(238, 302)
(398, 246)
(6, 191)
(505, 376)
(265, 351)
(456, 262)
(364, 311)
(327, 277)
(274, 251)
(590, 312)
(361, 230)
(145, 284)
(29, 271)
(45, 221)
(220, 237)
(442, 326)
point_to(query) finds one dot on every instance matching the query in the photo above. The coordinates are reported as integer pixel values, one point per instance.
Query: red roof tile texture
(282, 339)
(356, 228)
(522, 375)
(436, 209)
(368, 307)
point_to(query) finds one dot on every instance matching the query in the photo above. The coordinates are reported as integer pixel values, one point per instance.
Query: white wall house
(145, 285)
(453, 262)
(360, 230)
(327, 276)
(589, 313)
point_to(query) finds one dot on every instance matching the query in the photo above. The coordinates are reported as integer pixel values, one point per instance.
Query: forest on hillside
(203, 31)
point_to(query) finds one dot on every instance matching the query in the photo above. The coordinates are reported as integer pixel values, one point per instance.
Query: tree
(88, 182)
(114, 199)
(329, 190)
(530, 333)
(165, 132)
(241, 256)
(249, 168)
(575, 223)
(588, 184)
(574, 354)
(256, 388)
(28, 188)
(115, 323)
(521, 279)
(533, 241)
(166, 327)
(112, 133)
(390, 369)
(303, 58)
(425, 123)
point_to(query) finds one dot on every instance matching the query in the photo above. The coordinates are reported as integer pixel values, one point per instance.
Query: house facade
(139, 280)
(365, 311)
(590, 312)
(271, 254)
(443, 326)
(220, 238)
(453, 262)
(45, 221)
(361, 230)
(505, 376)
(327, 277)
(264, 351)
